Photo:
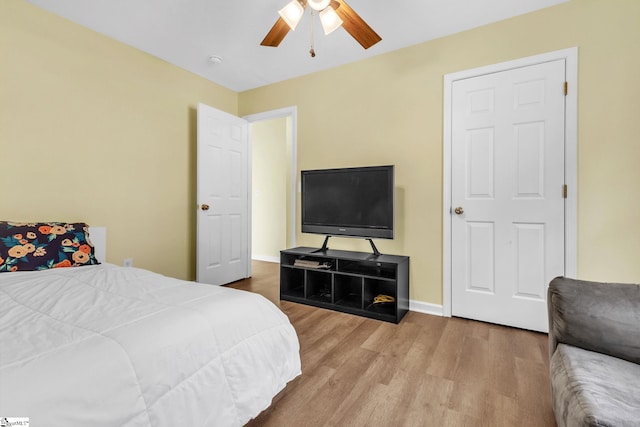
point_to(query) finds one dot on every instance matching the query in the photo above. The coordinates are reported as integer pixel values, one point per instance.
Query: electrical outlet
(128, 262)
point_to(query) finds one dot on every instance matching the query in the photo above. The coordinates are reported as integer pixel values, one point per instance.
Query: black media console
(347, 281)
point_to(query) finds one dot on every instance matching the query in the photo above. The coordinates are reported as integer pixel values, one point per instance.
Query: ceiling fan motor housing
(318, 4)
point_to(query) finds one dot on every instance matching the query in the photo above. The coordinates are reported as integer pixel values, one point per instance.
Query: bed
(102, 345)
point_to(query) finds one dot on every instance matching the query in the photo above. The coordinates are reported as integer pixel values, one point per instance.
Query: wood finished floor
(426, 371)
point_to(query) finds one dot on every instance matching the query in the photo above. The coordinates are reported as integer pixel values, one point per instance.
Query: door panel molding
(570, 56)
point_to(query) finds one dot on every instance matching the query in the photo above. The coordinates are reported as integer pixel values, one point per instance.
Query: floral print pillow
(40, 246)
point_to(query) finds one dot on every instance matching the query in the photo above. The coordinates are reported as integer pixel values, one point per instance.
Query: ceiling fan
(333, 14)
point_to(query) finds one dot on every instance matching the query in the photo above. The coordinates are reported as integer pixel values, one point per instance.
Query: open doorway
(273, 182)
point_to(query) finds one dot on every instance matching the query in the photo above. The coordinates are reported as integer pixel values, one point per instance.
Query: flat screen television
(355, 202)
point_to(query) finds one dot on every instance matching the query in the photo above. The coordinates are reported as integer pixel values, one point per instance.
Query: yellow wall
(270, 170)
(388, 109)
(93, 130)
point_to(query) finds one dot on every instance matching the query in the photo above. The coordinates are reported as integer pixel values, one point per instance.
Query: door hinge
(564, 191)
(566, 88)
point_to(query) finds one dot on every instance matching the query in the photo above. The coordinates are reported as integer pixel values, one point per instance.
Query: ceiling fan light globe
(330, 20)
(292, 13)
(318, 4)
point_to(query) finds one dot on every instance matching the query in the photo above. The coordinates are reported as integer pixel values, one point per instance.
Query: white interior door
(223, 197)
(507, 182)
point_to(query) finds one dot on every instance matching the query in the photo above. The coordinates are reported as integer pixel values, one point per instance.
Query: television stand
(347, 281)
(325, 248)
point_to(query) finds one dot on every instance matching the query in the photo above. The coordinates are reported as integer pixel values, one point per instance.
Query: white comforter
(112, 346)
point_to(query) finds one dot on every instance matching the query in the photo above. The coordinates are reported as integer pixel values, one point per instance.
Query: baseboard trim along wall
(426, 308)
(266, 258)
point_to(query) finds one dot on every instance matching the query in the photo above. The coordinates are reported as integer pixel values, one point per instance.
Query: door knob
(204, 207)
(459, 210)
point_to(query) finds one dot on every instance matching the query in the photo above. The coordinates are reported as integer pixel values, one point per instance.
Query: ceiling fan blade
(276, 34)
(359, 30)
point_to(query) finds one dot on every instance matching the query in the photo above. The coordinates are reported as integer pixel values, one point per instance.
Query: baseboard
(426, 308)
(265, 258)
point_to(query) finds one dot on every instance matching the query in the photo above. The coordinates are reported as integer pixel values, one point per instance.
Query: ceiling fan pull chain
(312, 52)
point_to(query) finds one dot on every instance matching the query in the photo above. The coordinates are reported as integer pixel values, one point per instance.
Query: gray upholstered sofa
(594, 345)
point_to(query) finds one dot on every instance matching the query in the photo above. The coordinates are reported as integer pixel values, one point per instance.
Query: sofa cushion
(602, 317)
(593, 389)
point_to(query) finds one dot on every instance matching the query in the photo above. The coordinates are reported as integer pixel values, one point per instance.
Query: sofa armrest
(602, 317)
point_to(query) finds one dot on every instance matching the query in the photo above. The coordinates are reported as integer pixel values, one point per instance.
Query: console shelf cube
(346, 281)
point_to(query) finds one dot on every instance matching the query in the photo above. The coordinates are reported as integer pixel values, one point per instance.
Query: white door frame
(571, 159)
(291, 112)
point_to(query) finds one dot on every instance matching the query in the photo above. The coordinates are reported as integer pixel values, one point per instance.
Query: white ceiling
(187, 32)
